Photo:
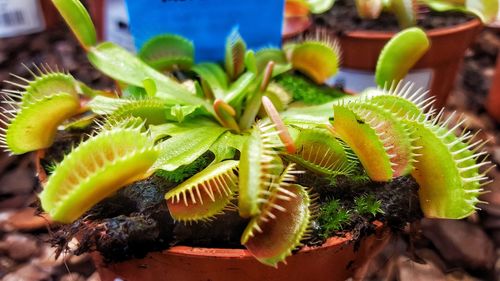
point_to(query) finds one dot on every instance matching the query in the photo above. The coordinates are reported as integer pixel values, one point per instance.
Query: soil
(344, 18)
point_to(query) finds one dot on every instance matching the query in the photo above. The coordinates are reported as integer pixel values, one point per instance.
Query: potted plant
(363, 27)
(240, 146)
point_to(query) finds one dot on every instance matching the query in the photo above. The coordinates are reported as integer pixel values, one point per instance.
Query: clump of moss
(333, 217)
(184, 172)
(354, 179)
(306, 91)
(367, 205)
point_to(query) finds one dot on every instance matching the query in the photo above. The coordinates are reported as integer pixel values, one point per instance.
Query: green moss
(367, 205)
(356, 178)
(184, 172)
(333, 217)
(307, 91)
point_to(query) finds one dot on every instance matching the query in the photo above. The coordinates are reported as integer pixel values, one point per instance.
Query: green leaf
(121, 65)
(174, 129)
(239, 88)
(214, 76)
(311, 115)
(400, 54)
(164, 52)
(184, 172)
(186, 147)
(314, 115)
(78, 19)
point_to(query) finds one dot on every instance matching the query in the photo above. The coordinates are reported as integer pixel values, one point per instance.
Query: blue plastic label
(208, 22)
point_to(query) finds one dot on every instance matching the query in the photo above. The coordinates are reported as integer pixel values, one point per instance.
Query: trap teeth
(205, 194)
(273, 224)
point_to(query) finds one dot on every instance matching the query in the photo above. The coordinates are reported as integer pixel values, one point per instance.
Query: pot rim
(433, 33)
(222, 253)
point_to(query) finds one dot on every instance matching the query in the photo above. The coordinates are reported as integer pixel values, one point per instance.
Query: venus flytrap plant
(230, 137)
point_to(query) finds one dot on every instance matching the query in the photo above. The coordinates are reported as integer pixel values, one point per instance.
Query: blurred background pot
(360, 51)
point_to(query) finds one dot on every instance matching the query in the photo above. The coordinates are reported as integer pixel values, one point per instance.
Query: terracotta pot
(360, 51)
(493, 101)
(50, 14)
(335, 260)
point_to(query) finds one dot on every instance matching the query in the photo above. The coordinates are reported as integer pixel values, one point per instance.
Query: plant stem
(254, 103)
(252, 108)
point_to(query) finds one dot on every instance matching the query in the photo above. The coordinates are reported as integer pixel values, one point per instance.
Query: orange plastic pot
(493, 102)
(361, 49)
(335, 260)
